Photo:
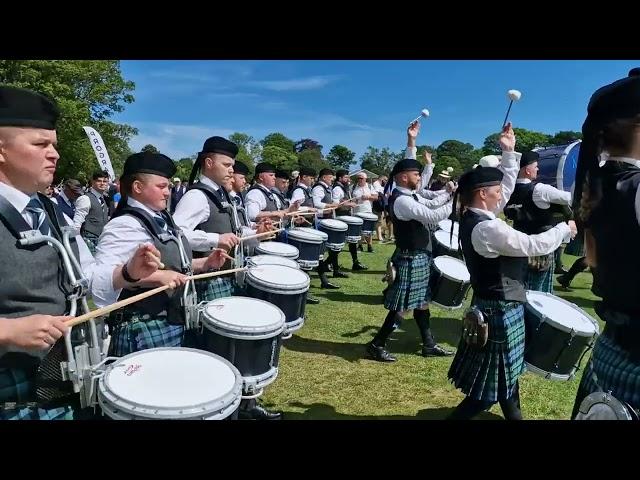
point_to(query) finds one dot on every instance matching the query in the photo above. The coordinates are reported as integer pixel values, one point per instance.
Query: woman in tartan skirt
(610, 210)
(496, 256)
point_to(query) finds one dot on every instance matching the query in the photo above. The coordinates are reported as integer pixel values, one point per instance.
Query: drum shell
(445, 291)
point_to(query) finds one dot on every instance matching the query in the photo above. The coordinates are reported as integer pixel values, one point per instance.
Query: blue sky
(355, 103)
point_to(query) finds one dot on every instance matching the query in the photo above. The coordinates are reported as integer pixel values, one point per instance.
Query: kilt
(616, 372)
(411, 287)
(491, 373)
(576, 246)
(212, 289)
(541, 281)
(91, 240)
(142, 332)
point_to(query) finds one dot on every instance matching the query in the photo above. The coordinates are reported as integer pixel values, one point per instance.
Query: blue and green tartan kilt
(212, 289)
(491, 373)
(541, 281)
(576, 246)
(142, 332)
(91, 240)
(18, 385)
(616, 372)
(411, 287)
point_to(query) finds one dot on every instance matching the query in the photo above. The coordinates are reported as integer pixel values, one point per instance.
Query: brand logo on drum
(131, 369)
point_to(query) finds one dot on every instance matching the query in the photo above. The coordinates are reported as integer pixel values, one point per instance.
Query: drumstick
(128, 301)
(156, 259)
(259, 235)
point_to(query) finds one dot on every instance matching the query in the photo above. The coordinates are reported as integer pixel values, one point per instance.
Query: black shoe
(259, 413)
(560, 271)
(379, 354)
(329, 285)
(436, 351)
(312, 300)
(339, 274)
(370, 249)
(358, 266)
(563, 280)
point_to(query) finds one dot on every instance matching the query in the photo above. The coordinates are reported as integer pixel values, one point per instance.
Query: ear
(136, 187)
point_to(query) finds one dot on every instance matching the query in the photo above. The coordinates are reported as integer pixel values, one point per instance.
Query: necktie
(161, 223)
(38, 216)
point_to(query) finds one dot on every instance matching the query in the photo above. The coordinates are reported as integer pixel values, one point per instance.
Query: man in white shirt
(261, 201)
(92, 210)
(487, 369)
(363, 195)
(535, 208)
(66, 199)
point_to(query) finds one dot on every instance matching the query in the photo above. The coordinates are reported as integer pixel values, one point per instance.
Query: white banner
(101, 151)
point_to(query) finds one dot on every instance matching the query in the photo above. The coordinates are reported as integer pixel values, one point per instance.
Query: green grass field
(324, 373)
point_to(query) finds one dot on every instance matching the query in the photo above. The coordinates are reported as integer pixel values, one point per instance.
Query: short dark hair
(99, 174)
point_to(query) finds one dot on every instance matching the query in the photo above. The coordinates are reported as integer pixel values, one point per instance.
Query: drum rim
(259, 248)
(209, 409)
(279, 287)
(240, 332)
(560, 326)
(312, 231)
(294, 262)
(619, 408)
(558, 377)
(444, 274)
(304, 237)
(334, 228)
(343, 218)
(362, 215)
(455, 238)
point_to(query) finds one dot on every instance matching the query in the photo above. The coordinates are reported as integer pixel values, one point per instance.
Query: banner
(101, 151)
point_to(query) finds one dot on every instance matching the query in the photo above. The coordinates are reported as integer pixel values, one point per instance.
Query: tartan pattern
(17, 385)
(143, 332)
(541, 281)
(411, 287)
(491, 373)
(91, 240)
(209, 290)
(615, 370)
(576, 246)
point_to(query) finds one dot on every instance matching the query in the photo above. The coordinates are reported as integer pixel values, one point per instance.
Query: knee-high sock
(469, 408)
(422, 318)
(511, 406)
(353, 250)
(391, 322)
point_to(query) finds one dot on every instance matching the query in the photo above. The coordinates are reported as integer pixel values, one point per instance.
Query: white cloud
(295, 84)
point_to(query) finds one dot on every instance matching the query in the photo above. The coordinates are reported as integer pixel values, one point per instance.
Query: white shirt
(298, 195)
(191, 211)
(544, 195)
(407, 208)
(83, 205)
(492, 238)
(337, 194)
(635, 163)
(233, 195)
(363, 206)
(317, 194)
(377, 186)
(256, 202)
(427, 173)
(99, 279)
(66, 200)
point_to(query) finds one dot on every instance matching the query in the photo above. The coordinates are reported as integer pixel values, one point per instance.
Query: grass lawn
(324, 373)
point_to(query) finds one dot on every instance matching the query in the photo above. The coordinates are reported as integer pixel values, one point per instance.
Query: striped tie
(38, 216)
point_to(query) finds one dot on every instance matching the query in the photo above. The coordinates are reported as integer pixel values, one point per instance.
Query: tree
(462, 152)
(312, 159)
(184, 166)
(444, 162)
(278, 140)
(565, 137)
(249, 150)
(279, 157)
(307, 144)
(525, 140)
(340, 157)
(379, 161)
(88, 93)
(150, 148)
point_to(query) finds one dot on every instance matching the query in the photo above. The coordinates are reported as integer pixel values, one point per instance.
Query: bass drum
(557, 165)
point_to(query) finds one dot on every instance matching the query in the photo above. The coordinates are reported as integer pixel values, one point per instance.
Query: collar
(632, 161)
(132, 202)
(14, 196)
(523, 180)
(489, 214)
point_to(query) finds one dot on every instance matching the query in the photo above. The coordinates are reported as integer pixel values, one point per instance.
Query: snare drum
(558, 333)
(284, 287)
(308, 244)
(450, 281)
(369, 222)
(258, 260)
(322, 235)
(443, 244)
(170, 384)
(337, 232)
(604, 406)
(277, 248)
(246, 332)
(446, 225)
(354, 225)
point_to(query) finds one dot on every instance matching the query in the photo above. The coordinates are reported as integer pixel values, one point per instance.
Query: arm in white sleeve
(411, 152)
(83, 205)
(297, 195)
(405, 208)
(337, 195)
(191, 211)
(318, 194)
(544, 195)
(255, 202)
(510, 166)
(493, 238)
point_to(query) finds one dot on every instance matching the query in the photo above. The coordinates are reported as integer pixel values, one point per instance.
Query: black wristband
(126, 276)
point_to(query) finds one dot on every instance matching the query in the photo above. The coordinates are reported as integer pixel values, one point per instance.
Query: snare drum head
(278, 276)
(243, 315)
(443, 238)
(351, 220)
(278, 248)
(168, 381)
(304, 236)
(272, 260)
(453, 268)
(367, 216)
(332, 224)
(445, 225)
(313, 231)
(604, 406)
(562, 314)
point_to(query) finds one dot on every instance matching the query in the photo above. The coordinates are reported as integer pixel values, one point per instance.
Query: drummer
(532, 207)
(610, 210)
(363, 194)
(342, 193)
(323, 202)
(495, 255)
(261, 201)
